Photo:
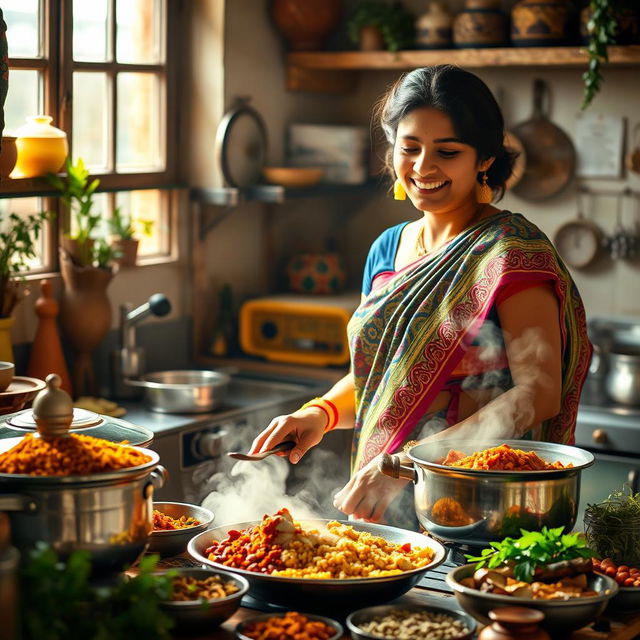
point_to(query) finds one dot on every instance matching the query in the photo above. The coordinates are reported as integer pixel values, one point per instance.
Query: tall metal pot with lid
(107, 514)
(474, 507)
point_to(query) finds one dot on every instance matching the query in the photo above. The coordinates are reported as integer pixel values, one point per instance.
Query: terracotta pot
(128, 249)
(541, 23)
(481, 24)
(8, 156)
(371, 39)
(85, 317)
(306, 24)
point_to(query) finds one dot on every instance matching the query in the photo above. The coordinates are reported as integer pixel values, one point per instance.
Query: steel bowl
(627, 599)
(559, 615)
(171, 542)
(475, 507)
(361, 616)
(335, 625)
(199, 616)
(182, 391)
(325, 595)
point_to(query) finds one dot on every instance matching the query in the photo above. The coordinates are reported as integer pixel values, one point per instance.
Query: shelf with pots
(332, 71)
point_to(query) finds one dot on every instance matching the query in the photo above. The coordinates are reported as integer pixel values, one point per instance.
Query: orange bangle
(329, 408)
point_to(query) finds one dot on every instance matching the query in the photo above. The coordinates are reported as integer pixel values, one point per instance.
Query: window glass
(25, 207)
(23, 28)
(24, 98)
(90, 119)
(138, 122)
(90, 29)
(139, 31)
(149, 212)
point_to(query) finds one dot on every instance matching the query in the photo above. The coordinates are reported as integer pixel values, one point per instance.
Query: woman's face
(437, 170)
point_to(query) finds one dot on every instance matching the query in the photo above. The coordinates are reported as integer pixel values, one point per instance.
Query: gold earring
(484, 194)
(398, 191)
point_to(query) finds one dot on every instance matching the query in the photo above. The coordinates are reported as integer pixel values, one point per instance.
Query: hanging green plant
(601, 28)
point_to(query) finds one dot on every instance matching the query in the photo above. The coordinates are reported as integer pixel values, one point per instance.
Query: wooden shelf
(332, 71)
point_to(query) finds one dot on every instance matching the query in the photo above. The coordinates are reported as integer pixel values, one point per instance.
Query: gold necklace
(421, 248)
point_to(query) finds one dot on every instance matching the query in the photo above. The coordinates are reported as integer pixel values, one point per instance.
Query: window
(101, 69)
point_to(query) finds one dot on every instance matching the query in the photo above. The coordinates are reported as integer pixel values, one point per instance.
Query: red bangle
(329, 409)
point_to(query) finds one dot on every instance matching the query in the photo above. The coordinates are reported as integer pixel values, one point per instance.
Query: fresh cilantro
(533, 550)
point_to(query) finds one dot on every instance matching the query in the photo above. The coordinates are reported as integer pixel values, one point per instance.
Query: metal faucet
(129, 360)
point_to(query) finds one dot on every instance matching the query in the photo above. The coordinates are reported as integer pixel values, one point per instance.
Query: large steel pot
(475, 507)
(108, 514)
(182, 391)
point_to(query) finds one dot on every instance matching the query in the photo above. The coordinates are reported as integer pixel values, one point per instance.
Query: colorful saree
(410, 333)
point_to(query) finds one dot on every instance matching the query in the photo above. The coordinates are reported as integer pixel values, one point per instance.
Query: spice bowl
(171, 542)
(361, 617)
(200, 615)
(244, 627)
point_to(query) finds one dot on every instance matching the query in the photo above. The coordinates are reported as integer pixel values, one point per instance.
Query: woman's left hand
(369, 493)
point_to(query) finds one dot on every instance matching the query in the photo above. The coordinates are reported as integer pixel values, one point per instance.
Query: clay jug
(46, 351)
(541, 23)
(514, 623)
(306, 24)
(433, 28)
(481, 24)
(85, 317)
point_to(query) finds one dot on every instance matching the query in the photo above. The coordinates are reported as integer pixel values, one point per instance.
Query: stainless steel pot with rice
(78, 492)
(475, 492)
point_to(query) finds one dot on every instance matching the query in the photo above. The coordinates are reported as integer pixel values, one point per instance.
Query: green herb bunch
(601, 27)
(395, 23)
(534, 550)
(58, 601)
(613, 526)
(18, 238)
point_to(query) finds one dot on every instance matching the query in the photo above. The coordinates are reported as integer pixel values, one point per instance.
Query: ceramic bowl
(559, 615)
(293, 176)
(172, 542)
(20, 391)
(336, 626)
(7, 371)
(362, 616)
(199, 616)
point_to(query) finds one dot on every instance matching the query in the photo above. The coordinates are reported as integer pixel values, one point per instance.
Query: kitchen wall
(254, 66)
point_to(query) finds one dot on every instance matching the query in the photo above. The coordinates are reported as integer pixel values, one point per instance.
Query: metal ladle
(283, 446)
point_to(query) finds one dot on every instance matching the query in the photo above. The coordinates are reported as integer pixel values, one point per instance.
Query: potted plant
(124, 241)
(393, 24)
(18, 237)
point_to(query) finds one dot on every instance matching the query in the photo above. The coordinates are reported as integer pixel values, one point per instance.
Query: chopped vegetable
(534, 551)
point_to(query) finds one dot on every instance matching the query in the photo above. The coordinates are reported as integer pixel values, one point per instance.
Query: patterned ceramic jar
(541, 23)
(433, 28)
(481, 24)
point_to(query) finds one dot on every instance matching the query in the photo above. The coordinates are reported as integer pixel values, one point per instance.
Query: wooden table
(622, 627)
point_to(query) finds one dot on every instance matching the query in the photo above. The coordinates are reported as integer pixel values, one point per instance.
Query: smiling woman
(459, 329)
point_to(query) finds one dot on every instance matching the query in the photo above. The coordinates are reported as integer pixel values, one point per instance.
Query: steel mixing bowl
(559, 615)
(307, 594)
(475, 507)
(362, 616)
(171, 542)
(242, 627)
(199, 616)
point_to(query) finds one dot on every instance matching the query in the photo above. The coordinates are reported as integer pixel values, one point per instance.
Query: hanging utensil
(551, 156)
(279, 448)
(623, 243)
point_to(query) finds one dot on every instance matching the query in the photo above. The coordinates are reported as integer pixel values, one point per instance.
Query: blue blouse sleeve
(382, 255)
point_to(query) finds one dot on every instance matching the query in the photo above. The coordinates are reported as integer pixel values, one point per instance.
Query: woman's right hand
(305, 427)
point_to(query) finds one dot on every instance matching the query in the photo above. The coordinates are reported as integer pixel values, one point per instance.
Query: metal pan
(550, 154)
(308, 594)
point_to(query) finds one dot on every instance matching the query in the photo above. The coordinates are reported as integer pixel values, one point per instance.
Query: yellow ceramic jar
(42, 148)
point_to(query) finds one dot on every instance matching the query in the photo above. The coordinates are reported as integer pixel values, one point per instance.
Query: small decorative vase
(85, 317)
(128, 249)
(480, 25)
(42, 148)
(541, 23)
(514, 623)
(8, 156)
(433, 28)
(6, 349)
(306, 24)
(316, 273)
(371, 39)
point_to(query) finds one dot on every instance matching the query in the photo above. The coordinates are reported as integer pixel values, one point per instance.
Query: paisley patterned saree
(410, 333)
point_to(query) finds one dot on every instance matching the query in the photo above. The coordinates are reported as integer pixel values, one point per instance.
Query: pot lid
(241, 145)
(82, 419)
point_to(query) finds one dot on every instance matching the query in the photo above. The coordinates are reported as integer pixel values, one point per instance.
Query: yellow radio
(298, 329)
